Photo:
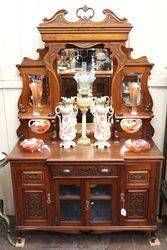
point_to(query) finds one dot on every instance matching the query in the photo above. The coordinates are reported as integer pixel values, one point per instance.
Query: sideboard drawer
(85, 170)
(138, 177)
(33, 177)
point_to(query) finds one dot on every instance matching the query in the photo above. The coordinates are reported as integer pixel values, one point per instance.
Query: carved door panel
(33, 195)
(139, 194)
(137, 205)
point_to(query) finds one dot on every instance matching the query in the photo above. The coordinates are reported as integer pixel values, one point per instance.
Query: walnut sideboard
(84, 189)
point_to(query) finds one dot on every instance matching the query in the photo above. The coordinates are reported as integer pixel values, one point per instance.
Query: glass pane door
(102, 201)
(70, 201)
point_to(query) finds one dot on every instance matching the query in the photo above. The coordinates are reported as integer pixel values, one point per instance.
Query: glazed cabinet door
(101, 201)
(68, 202)
(32, 194)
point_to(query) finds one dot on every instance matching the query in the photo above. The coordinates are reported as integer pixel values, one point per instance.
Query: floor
(114, 241)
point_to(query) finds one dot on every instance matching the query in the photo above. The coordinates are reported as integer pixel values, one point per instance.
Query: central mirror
(73, 60)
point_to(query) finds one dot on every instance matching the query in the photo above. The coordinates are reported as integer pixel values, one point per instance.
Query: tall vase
(102, 122)
(67, 113)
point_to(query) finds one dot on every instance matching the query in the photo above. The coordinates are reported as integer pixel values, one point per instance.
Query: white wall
(19, 37)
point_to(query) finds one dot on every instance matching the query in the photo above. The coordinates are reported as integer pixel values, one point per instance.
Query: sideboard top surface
(85, 154)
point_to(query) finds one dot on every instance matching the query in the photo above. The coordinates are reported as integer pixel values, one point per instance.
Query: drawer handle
(66, 171)
(48, 199)
(104, 170)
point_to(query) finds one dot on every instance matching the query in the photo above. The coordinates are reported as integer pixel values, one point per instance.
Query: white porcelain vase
(67, 113)
(103, 114)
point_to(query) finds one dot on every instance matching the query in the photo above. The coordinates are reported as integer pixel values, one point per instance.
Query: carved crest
(84, 14)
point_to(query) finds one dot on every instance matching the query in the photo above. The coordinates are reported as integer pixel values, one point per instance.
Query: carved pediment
(58, 19)
(59, 29)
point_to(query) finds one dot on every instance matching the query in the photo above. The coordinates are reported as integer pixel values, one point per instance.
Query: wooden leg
(153, 236)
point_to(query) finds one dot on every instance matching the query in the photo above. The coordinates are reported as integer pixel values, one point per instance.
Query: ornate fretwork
(34, 204)
(85, 15)
(20, 133)
(21, 108)
(136, 204)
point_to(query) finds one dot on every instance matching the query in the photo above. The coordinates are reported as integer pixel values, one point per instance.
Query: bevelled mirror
(74, 59)
(131, 89)
(39, 92)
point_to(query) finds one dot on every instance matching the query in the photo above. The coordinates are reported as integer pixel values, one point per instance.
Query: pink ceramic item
(131, 125)
(137, 145)
(39, 126)
(32, 144)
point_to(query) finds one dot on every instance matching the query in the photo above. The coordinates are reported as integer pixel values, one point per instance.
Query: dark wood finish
(163, 190)
(36, 175)
(111, 33)
(132, 178)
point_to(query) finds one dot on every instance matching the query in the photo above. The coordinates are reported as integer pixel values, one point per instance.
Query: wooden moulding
(58, 28)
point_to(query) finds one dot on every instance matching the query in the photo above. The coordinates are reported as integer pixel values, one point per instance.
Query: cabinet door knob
(87, 205)
(66, 171)
(104, 170)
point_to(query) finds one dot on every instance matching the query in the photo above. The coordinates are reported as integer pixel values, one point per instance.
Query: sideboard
(85, 188)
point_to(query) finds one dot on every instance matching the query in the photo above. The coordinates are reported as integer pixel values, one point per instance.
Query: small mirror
(39, 89)
(129, 81)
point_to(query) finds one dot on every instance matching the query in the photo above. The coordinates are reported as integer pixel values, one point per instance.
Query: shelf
(70, 197)
(140, 115)
(100, 197)
(101, 73)
(43, 115)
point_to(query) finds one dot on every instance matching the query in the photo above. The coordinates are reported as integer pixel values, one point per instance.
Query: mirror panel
(130, 80)
(73, 60)
(39, 89)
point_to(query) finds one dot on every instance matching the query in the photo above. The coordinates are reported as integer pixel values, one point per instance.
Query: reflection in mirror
(74, 59)
(131, 89)
(39, 94)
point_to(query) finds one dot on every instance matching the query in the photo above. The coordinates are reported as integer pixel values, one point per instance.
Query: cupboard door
(68, 200)
(101, 201)
(140, 194)
(33, 195)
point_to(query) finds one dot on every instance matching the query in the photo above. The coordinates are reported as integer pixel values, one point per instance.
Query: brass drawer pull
(104, 170)
(48, 199)
(66, 171)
